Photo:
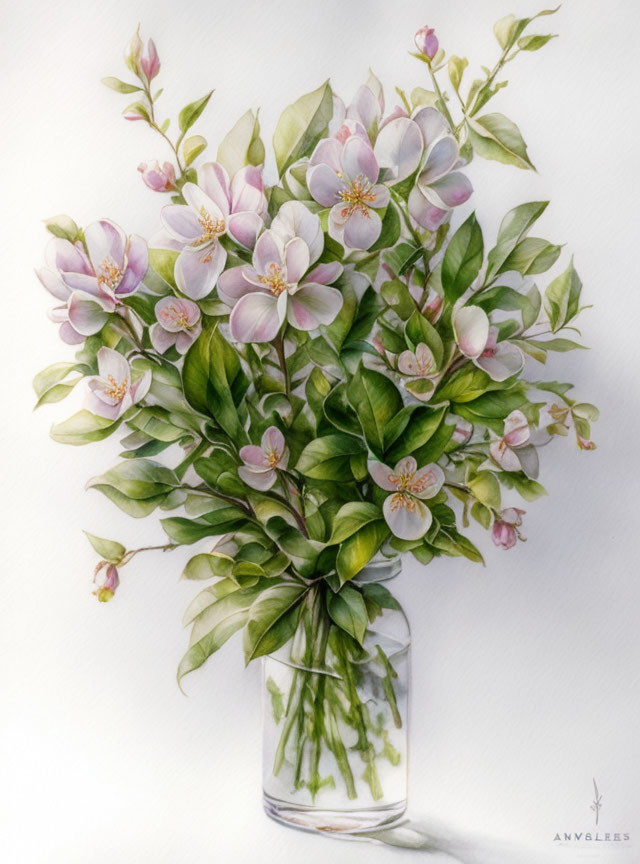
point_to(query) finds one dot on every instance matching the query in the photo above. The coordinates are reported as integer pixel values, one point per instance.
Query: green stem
(443, 104)
(278, 344)
(387, 686)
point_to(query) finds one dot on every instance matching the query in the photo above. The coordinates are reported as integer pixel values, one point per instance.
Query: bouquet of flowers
(319, 375)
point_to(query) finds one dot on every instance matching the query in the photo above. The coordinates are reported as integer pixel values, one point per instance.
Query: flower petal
(382, 475)
(269, 250)
(358, 159)
(471, 330)
(88, 314)
(273, 442)
(198, 200)
(362, 229)
(508, 360)
(296, 259)
(399, 147)
(214, 180)
(161, 339)
(407, 517)
(254, 457)
(327, 152)
(181, 222)
(326, 273)
(516, 429)
(364, 108)
(313, 304)
(112, 363)
(505, 457)
(137, 265)
(295, 220)
(197, 270)
(432, 125)
(324, 184)
(450, 191)
(232, 285)
(424, 212)
(441, 157)
(260, 480)
(104, 240)
(427, 481)
(255, 318)
(244, 228)
(247, 191)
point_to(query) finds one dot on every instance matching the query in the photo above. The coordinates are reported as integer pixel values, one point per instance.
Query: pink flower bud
(505, 530)
(149, 60)
(427, 42)
(157, 177)
(106, 580)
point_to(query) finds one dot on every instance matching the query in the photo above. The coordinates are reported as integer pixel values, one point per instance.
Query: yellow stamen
(358, 197)
(175, 316)
(109, 274)
(211, 228)
(274, 280)
(116, 391)
(402, 501)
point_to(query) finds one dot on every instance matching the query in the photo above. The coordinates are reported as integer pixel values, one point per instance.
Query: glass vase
(335, 737)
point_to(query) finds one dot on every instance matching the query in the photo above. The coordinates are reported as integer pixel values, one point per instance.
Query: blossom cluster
(327, 357)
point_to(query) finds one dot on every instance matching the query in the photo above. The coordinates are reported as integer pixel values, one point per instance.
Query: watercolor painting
(323, 365)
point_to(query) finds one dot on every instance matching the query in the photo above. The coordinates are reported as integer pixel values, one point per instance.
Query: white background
(525, 672)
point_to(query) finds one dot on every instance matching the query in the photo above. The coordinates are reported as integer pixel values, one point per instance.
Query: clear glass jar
(335, 737)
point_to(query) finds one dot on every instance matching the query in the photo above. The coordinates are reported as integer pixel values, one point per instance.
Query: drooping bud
(149, 61)
(505, 529)
(427, 42)
(157, 177)
(106, 580)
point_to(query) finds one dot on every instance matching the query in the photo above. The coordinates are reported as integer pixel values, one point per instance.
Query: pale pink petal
(137, 265)
(176, 313)
(244, 228)
(269, 250)
(327, 152)
(112, 363)
(406, 466)
(529, 463)
(52, 281)
(63, 255)
(295, 220)
(161, 339)
(181, 222)
(365, 107)
(273, 442)
(324, 184)
(407, 363)
(186, 338)
(432, 124)
(296, 259)
(427, 481)
(507, 360)
(358, 160)
(97, 406)
(88, 314)
(247, 191)
(407, 517)
(313, 304)
(325, 274)
(451, 191)
(512, 515)
(140, 388)
(424, 212)
(254, 456)
(505, 457)
(362, 229)
(69, 335)
(382, 475)
(213, 178)
(261, 481)
(471, 330)
(399, 147)
(232, 284)
(255, 318)
(84, 282)
(516, 429)
(199, 201)
(381, 196)
(197, 270)
(441, 158)
(105, 240)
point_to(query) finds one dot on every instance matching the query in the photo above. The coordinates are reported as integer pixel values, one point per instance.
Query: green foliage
(301, 126)
(191, 112)
(242, 145)
(463, 259)
(495, 137)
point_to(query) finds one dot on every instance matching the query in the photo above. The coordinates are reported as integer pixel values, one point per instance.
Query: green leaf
(508, 29)
(327, 458)
(535, 42)
(277, 699)
(379, 594)
(562, 298)
(347, 609)
(350, 518)
(485, 487)
(513, 228)
(463, 259)
(214, 382)
(421, 427)
(192, 147)
(301, 126)
(456, 67)
(272, 619)
(110, 550)
(215, 624)
(47, 383)
(120, 86)
(339, 412)
(163, 261)
(390, 229)
(242, 145)
(397, 295)
(63, 226)
(561, 345)
(419, 329)
(186, 531)
(376, 400)
(532, 255)
(529, 489)
(356, 551)
(402, 257)
(139, 478)
(83, 428)
(495, 137)
(190, 113)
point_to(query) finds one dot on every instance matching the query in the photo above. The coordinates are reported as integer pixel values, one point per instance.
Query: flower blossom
(404, 511)
(159, 178)
(477, 340)
(424, 143)
(275, 287)
(106, 580)
(427, 42)
(513, 450)
(92, 282)
(504, 532)
(178, 324)
(111, 391)
(216, 207)
(149, 61)
(261, 464)
(343, 175)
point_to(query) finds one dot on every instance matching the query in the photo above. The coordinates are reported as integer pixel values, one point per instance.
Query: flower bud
(427, 42)
(106, 580)
(157, 177)
(505, 529)
(133, 52)
(149, 61)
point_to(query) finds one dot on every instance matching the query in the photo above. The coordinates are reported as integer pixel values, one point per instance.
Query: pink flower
(505, 532)
(216, 207)
(178, 324)
(404, 511)
(149, 61)
(261, 464)
(477, 340)
(111, 391)
(427, 42)
(513, 451)
(343, 176)
(106, 580)
(421, 369)
(157, 177)
(276, 288)
(424, 144)
(92, 283)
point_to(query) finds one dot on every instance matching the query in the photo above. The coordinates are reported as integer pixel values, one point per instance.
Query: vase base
(315, 819)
